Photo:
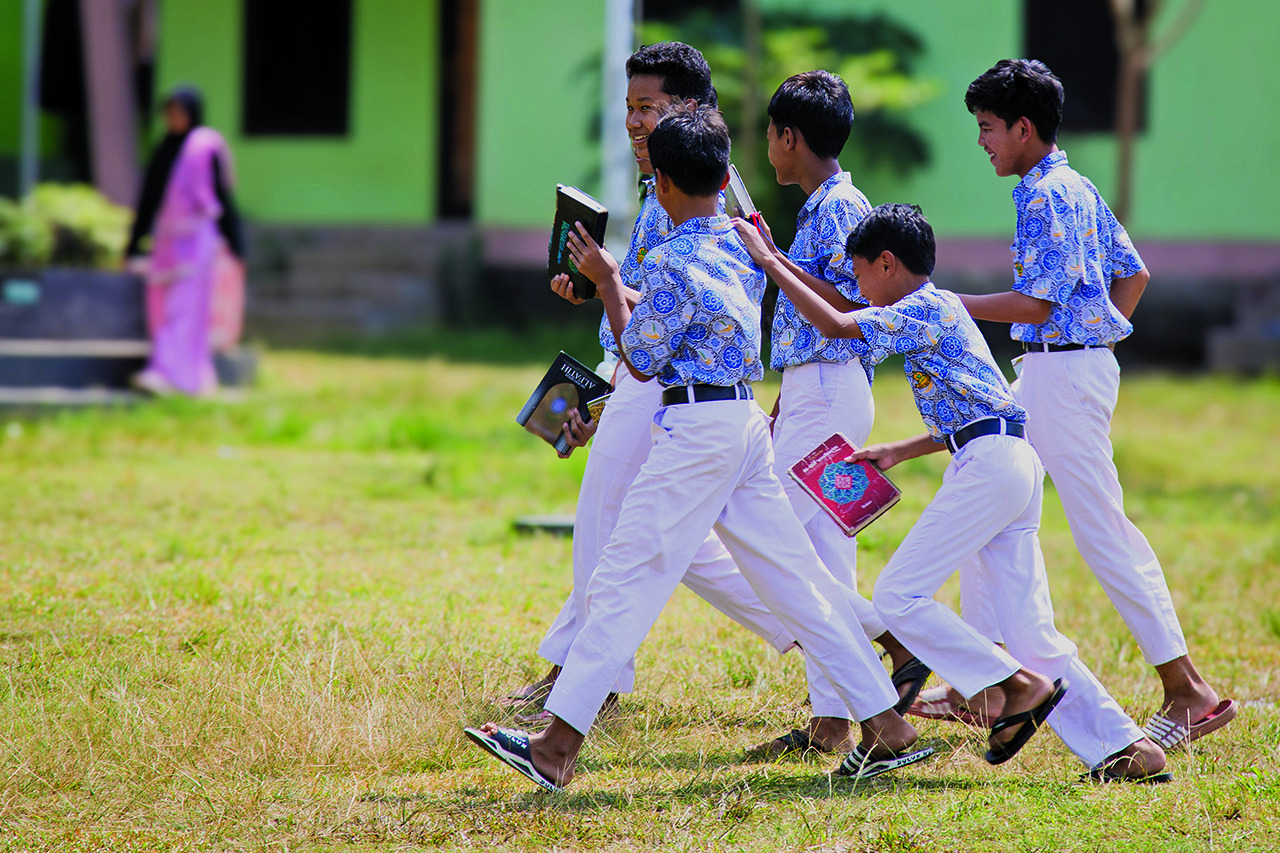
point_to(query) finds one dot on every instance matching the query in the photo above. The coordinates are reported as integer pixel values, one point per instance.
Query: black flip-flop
(913, 673)
(1103, 774)
(794, 742)
(511, 747)
(1028, 722)
(860, 765)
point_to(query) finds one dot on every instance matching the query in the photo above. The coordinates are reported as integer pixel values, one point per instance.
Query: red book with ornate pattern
(853, 493)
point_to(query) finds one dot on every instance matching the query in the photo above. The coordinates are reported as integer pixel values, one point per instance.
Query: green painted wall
(10, 77)
(539, 97)
(384, 171)
(1206, 166)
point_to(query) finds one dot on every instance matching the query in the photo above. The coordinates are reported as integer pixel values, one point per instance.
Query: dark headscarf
(189, 99)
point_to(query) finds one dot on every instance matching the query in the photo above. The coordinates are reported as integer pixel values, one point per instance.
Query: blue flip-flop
(860, 765)
(511, 747)
(1027, 721)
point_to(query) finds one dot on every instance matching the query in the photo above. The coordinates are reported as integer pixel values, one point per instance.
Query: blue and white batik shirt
(822, 229)
(652, 227)
(1067, 249)
(953, 376)
(698, 319)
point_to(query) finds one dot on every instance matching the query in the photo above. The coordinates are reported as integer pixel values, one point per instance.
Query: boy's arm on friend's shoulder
(826, 318)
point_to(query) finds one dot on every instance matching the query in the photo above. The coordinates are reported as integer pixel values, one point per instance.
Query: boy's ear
(889, 261)
(1026, 129)
(661, 181)
(790, 139)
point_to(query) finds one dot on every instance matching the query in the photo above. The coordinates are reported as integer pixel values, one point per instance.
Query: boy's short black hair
(900, 228)
(691, 147)
(1013, 88)
(684, 70)
(817, 104)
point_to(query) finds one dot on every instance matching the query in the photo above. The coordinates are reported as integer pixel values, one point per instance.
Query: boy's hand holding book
(562, 286)
(591, 259)
(577, 433)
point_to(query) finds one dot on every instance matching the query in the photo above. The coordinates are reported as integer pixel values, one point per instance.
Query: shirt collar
(703, 225)
(1051, 161)
(824, 188)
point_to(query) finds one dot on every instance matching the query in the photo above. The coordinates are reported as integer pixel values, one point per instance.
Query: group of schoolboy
(686, 478)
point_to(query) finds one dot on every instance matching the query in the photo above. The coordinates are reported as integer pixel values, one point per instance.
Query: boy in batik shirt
(988, 507)
(659, 76)
(696, 328)
(1077, 281)
(825, 388)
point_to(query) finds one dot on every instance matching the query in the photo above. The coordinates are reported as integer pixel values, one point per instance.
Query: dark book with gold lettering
(853, 493)
(568, 384)
(573, 205)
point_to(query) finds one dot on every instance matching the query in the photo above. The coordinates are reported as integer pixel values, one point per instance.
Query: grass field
(262, 625)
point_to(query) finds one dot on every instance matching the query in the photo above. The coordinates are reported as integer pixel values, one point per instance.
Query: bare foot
(886, 734)
(1187, 697)
(1023, 691)
(1137, 760)
(987, 706)
(554, 752)
(828, 734)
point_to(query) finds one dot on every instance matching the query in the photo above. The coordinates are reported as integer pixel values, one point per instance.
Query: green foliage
(63, 225)
(874, 54)
(25, 240)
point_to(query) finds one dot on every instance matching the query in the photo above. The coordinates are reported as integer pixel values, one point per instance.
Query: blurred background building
(397, 159)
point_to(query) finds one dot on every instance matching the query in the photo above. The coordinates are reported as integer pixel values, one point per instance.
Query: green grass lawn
(263, 625)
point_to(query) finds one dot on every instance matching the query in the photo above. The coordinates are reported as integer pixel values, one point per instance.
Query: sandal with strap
(914, 674)
(1027, 721)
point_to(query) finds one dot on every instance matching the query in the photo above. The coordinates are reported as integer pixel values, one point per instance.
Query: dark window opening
(670, 10)
(1078, 43)
(297, 67)
(456, 163)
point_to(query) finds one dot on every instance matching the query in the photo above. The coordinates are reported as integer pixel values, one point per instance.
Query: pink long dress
(181, 277)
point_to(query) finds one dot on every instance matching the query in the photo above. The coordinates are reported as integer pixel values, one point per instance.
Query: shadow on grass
(768, 788)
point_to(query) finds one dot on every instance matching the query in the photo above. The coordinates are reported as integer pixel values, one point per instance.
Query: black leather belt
(1037, 346)
(986, 426)
(706, 393)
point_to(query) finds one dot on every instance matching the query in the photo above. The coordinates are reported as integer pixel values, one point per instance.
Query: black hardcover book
(573, 205)
(569, 383)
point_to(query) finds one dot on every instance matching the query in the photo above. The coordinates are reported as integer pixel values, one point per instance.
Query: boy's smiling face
(1008, 147)
(646, 103)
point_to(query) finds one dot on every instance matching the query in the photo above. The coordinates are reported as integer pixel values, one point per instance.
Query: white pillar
(618, 170)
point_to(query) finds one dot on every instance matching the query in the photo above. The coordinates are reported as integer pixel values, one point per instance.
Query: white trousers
(620, 447)
(1070, 398)
(817, 400)
(986, 515)
(711, 465)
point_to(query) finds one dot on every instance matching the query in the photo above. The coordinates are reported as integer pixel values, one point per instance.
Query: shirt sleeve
(886, 332)
(1052, 258)
(1124, 258)
(829, 260)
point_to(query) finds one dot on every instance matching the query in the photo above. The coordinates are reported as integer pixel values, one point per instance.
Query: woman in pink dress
(186, 202)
